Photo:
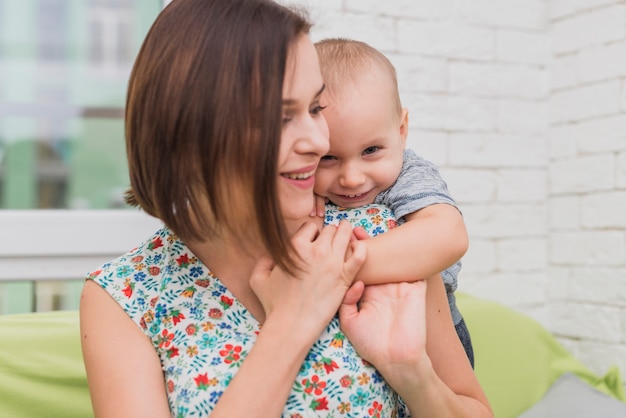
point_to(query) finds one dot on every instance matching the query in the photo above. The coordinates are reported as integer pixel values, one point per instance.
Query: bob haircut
(203, 120)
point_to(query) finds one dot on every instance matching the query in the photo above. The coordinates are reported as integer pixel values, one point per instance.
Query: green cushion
(517, 359)
(41, 367)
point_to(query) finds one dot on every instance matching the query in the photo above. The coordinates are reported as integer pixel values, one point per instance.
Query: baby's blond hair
(342, 61)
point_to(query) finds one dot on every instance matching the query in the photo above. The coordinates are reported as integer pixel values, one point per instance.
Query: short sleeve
(419, 185)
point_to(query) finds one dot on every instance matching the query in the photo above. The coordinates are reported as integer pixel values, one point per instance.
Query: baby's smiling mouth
(356, 197)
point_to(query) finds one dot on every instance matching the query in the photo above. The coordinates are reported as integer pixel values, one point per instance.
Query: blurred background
(521, 103)
(64, 66)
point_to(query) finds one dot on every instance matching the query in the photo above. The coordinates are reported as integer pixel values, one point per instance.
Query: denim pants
(466, 340)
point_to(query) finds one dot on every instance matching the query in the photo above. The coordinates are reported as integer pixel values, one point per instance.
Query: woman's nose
(313, 139)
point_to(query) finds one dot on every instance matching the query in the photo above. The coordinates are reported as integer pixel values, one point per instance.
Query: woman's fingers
(330, 261)
(307, 233)
(342, 235)
(339, 235)
(349, 308)
(354, 258)
(319, 206)
(262, 270)
(360, 233)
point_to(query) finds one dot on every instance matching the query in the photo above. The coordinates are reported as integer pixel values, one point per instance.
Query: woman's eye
(370, 150)
(317, 109)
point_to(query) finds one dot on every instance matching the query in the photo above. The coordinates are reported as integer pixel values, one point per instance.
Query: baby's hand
(319, 206)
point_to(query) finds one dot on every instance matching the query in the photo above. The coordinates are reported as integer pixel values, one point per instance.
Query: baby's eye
(370, 150)
(328, 158)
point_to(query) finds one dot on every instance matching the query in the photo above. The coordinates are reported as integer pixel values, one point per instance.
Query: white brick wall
(587, 140)
(582, 174)
(587, 28)
(522, 104)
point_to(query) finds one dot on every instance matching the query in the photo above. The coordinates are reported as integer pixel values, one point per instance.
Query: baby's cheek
(321, 182)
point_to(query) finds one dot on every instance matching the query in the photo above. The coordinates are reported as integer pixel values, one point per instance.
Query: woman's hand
(408, 335)
(386, 324)
(330, 260)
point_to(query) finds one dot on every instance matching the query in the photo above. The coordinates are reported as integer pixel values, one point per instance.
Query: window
(64, 67)
(62, 90)
(51, 29)
(110, 35)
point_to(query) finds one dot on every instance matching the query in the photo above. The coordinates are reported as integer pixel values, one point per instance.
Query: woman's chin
(293, 223)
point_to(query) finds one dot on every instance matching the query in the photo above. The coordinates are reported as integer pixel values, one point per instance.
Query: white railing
(60, 245)
(65, 244)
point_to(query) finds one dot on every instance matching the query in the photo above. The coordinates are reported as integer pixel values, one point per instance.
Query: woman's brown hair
(203, 119)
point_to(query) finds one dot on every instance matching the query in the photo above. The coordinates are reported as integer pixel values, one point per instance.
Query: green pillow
(517, 359)
(41, 367)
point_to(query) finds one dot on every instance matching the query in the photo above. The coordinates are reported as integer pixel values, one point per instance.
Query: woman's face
(304, 138)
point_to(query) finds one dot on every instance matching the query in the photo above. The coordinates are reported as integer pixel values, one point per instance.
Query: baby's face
(367, 141)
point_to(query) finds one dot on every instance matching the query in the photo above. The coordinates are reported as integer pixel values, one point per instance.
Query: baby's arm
(433, 237)
(431, 240)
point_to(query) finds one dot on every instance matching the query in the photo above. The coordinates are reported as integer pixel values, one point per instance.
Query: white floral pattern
(202, 333)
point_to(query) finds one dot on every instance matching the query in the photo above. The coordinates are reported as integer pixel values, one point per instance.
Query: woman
(229, 310)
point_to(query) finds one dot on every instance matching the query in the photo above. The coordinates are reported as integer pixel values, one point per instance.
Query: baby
(368, 163)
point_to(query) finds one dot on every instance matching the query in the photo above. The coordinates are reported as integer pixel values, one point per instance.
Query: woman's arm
(416, 348)
(449, 387)
(123, 370)
(430, 241)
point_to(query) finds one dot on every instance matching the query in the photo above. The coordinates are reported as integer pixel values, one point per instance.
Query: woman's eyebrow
(319, 93)
(288, 101)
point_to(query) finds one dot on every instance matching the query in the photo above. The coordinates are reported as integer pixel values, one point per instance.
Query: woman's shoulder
(137, 278)
(149, 253)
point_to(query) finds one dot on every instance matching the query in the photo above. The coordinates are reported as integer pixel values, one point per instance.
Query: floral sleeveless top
(202, 333)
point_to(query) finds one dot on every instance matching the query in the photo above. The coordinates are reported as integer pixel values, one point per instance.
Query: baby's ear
(404, 124)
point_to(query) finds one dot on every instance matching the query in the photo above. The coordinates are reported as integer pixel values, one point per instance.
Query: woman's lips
(304, 179)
